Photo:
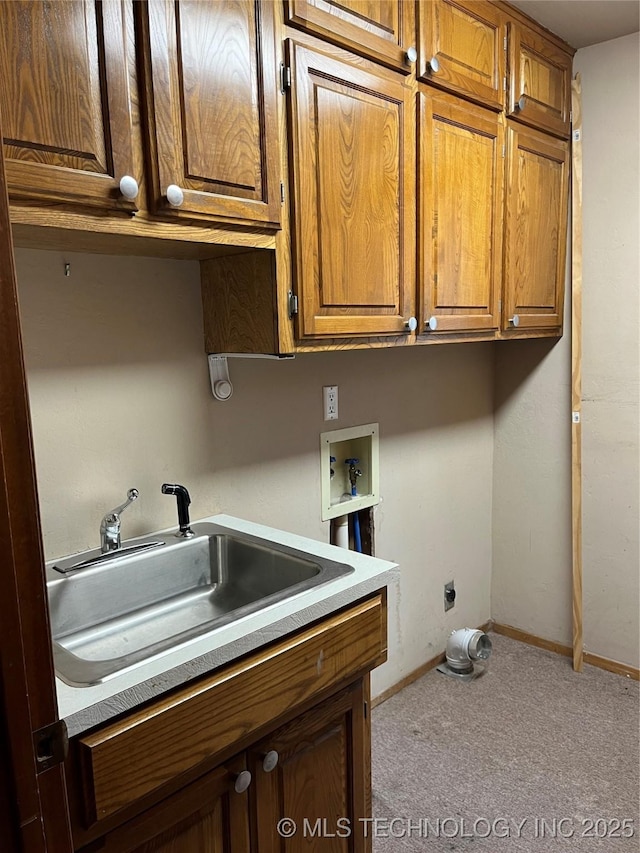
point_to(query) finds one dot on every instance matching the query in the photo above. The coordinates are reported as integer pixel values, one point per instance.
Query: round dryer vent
(464, 647)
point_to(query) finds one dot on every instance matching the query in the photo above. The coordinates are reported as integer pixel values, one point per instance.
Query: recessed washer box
(359, 442)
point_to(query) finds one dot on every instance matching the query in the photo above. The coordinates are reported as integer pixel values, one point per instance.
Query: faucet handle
(132, 495)
(110, 524)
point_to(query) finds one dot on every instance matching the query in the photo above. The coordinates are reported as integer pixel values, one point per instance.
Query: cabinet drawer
(133, 757)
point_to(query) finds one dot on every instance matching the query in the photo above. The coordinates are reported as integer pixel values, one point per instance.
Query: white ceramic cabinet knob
(433, 65)
(515, 320)
(432, 324)
(412, 54)
(128, 187)
(270, 761)
(411, 324)
(242, 782)
(520, 104)
(175, 196)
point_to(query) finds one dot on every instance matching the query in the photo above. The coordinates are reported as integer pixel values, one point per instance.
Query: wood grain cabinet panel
(535, 229)
(122, 763)
(354, 198)
(320, 780)
(208, 816)
(382, 30)
(460, 222)
(211, 89)
(540, 75)
(65, 101)
(467, 40)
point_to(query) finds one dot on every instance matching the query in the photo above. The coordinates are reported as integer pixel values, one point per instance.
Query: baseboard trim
(551, 646)
(419, 672)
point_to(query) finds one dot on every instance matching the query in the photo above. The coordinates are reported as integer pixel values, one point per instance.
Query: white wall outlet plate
(330, 402)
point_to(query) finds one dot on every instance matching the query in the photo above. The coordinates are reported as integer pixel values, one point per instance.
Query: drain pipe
(341, 531)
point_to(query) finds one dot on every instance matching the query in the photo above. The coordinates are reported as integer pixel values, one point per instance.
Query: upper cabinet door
(354, 196)
(460, 223)
(539, 81)
(383, 30)
(462, 49)
(212, 109)
(65, 102)
(535, 229)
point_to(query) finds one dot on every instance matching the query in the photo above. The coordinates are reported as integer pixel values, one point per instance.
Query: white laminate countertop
(85, 707)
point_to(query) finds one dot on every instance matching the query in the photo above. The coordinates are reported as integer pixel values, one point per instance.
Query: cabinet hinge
(51, 745)
(282, 192)
(499, 306)
(570, 116)
(293, 305)
(504, 150)
(504, 83)
(285, 78)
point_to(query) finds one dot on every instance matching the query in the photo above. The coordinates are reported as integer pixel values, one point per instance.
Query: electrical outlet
(330, 402)
(449, 596)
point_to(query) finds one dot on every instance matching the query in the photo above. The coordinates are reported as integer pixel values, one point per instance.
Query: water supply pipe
(353, 474)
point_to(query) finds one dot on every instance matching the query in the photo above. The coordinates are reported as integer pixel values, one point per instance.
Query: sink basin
(120, 610)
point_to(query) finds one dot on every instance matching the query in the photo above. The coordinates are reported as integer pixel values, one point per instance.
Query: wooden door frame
(36, 811)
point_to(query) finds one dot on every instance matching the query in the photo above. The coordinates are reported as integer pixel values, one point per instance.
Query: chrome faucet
(110, 524)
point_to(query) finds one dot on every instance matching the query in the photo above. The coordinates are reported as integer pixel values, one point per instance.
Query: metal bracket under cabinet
(221, 385)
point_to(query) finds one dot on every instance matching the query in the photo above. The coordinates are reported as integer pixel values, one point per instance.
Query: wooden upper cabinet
(65, 102)
(462, 49)
(211, 93)
(539, 81)
(535, 229)
(460, 221)
(354, 196)
(382, 30)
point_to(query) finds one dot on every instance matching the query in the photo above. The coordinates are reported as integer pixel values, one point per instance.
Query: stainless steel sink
(126, 608)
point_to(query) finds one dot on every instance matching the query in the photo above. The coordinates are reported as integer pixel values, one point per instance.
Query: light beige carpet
(530, 757)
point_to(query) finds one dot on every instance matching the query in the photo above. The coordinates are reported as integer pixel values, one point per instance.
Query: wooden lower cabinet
(318, 790)
(214, 766)
(208, 816)
(309, 784)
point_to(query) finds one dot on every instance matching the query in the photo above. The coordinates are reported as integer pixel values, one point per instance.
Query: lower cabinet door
(208, 816)
(311, 781)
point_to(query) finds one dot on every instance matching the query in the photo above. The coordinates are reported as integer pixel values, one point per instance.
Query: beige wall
(611, 374)
(531, 584)
(120, 397)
